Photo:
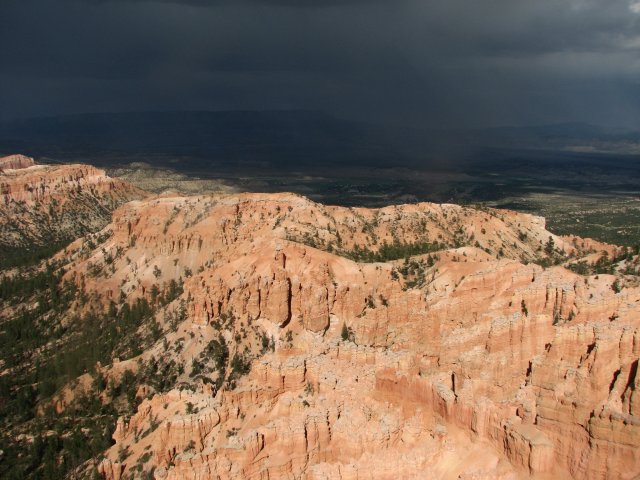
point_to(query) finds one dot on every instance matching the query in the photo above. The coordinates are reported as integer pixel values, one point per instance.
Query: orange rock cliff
(464, 362)
(45, 204)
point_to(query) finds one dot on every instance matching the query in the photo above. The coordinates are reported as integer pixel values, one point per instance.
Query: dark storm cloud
(217, 3)
(457, 62)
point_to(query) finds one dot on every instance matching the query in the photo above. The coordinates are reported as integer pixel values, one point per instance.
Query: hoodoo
(288, 339)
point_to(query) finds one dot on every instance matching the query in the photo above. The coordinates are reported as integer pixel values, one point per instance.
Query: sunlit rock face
(466, 360)
(15, 162)
(42, 205)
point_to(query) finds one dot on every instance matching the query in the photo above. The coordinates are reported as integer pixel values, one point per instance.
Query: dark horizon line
(319, 112)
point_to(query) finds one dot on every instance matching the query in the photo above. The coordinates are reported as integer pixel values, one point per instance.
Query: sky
(433, 63)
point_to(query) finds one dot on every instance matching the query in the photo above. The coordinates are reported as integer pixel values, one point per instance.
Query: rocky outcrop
(465, 360)
(44, 205)
(40, 184)
(15, 162)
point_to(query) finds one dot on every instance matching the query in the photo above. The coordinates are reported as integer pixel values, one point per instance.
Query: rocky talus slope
(41, 205)
(415, 341)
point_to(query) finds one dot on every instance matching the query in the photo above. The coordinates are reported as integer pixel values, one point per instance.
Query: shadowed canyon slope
(288, 339)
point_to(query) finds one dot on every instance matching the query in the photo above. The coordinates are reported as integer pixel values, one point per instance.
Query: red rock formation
(46, 204)
(15, 162)
(476, 365)
(41, 183)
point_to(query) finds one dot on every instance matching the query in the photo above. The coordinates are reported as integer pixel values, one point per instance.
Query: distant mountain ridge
(235, 135)
(287, 137)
